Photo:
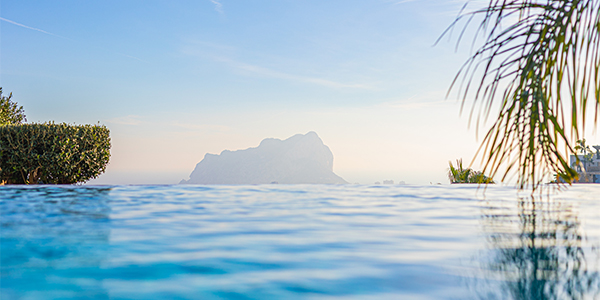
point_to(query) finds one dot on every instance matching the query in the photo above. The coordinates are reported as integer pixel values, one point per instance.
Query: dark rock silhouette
(298, 159)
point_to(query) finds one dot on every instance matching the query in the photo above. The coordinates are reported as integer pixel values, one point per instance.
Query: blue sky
(174, 80)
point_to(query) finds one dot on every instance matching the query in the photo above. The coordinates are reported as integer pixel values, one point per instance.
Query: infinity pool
(298, 242)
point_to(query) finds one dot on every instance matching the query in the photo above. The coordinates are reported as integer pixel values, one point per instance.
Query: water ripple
(298, 242)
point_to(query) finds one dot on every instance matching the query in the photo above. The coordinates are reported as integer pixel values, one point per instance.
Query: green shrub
(52, 153)
(10, 112)
(468, 175)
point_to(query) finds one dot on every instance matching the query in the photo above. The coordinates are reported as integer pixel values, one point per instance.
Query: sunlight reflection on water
(298, 241)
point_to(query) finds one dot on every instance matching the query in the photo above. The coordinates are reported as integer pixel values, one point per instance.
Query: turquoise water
(298, 242)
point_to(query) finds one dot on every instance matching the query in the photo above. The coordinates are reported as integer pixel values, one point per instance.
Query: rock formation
(298, 159)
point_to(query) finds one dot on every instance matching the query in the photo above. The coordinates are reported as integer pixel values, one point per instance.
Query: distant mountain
(298, 159)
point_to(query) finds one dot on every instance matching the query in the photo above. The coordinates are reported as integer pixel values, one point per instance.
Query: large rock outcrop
(298, 159)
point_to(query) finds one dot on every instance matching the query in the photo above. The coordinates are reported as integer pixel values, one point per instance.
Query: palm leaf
(539, 63)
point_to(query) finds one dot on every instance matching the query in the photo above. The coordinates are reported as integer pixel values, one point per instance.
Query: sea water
(299, 242)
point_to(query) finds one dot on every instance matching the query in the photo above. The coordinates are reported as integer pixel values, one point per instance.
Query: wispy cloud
(32, 28)
(292, 77)
(419, 101)
(56, 35)
(132, 57)
(207, 50)
(218, 5)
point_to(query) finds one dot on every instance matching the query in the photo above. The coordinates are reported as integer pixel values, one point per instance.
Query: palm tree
(540, 64)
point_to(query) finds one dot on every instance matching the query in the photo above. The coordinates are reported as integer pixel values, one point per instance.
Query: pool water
(298, 242)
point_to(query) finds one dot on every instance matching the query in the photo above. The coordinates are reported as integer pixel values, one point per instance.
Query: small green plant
(586, 152)
(10, 112)
(459, 174)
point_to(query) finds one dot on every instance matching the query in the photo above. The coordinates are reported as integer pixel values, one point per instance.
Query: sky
(174, 80)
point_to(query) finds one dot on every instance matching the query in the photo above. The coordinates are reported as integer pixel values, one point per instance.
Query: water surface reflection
(538, 250)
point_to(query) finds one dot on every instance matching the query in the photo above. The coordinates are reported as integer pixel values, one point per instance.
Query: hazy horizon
(176, 80)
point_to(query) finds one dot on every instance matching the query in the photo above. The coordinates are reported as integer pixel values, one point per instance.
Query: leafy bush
(52, 153)
(461, 175)
(10, 112)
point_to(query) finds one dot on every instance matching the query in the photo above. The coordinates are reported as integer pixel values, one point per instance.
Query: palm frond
(539, 63)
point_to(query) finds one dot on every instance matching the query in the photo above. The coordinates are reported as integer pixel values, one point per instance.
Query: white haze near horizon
(176, 80)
